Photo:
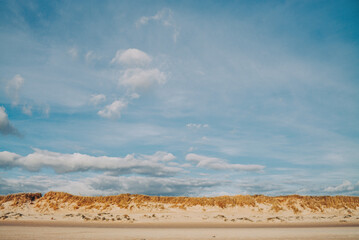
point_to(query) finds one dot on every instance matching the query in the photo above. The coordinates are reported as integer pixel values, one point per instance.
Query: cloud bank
(110, 185)
(150, 165)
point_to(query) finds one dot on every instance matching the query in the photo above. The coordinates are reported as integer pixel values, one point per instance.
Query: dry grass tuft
(20, 198)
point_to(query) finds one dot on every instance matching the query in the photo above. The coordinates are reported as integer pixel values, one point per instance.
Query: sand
(65, 230)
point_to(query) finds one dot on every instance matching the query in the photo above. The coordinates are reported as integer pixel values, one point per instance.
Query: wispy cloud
(27, 109)
(165, 17)
(220, 164)
(96, 99)
(197, 125)
(91, 56)
(73, 52)
(46, 110)
(13, 87)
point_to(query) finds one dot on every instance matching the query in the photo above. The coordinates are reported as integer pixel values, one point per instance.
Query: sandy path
(316, 233)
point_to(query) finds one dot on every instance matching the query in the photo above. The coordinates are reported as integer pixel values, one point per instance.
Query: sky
(179, 98)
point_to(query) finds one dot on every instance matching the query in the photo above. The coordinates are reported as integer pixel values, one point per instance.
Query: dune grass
(296, 203)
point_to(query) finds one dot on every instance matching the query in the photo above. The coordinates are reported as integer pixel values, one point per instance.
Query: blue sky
(179, 97)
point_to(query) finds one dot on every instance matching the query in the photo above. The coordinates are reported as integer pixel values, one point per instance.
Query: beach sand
(68, 230)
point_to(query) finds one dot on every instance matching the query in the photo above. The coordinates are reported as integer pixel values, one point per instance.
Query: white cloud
(345, 186)
(113, 110)
(219, 164)
(137, 78)
(7, 159)
(132, 57)
(152, 165)
(197, 125)
(13, 87)
(6, 128)
(73, 52)
(165, 17)
(27, 109)
(97, 99)
(136, 75)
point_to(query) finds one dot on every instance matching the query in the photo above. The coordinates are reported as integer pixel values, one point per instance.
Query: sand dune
(137, 209)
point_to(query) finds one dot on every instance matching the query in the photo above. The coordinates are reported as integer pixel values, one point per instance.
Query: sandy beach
(68, 230)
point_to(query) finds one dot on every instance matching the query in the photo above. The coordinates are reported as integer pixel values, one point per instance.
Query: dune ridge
(143, 208)
(294, 202)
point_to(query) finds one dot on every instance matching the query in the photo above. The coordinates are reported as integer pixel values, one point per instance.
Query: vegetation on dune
(19, 198)
(296, 203)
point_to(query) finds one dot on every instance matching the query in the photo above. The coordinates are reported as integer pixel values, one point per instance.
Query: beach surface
(68, 230)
